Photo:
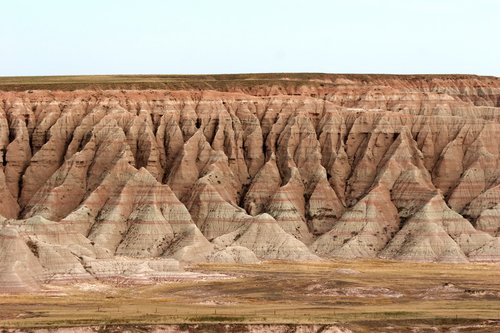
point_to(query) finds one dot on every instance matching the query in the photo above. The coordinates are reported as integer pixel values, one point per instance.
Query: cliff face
(349, 167)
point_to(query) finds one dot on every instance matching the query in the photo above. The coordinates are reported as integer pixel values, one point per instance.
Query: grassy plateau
(220, 82)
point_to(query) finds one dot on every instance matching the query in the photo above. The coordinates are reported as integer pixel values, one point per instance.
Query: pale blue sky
(221, 36)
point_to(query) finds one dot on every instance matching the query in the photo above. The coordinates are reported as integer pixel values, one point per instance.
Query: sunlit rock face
(404, 168)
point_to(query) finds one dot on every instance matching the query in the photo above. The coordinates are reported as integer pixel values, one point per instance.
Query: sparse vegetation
(382, 294)
(222, 82)
(33, 247)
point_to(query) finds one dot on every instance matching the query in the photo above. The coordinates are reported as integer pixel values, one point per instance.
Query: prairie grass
(359, 294)
(221, 82)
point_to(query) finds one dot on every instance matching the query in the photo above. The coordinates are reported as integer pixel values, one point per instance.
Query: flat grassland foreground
(359, 296)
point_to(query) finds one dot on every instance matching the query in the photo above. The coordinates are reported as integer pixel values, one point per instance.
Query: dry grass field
(220, 82)
(365, 296)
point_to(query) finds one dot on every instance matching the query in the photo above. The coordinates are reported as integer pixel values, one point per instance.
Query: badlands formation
(134, 181)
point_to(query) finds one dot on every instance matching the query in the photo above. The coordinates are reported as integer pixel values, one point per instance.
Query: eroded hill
(295, 167)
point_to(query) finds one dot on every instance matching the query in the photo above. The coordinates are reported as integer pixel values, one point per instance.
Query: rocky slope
(298, 168)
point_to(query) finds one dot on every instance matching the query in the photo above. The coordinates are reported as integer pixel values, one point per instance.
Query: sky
(61, 37)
